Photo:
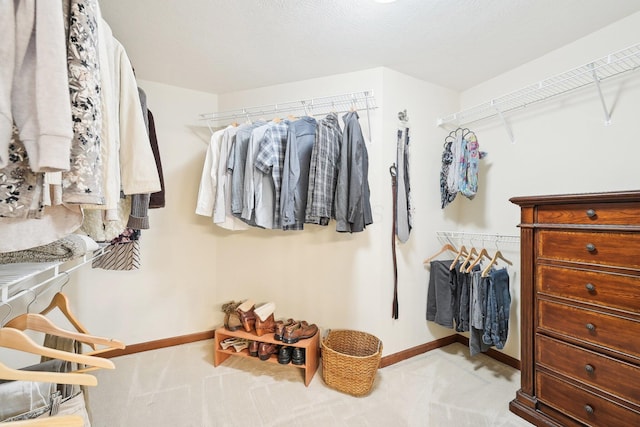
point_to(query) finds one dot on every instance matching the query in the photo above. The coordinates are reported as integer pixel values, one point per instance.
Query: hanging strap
(394, 196)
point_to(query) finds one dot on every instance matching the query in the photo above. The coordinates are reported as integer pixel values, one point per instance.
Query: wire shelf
(592, 73)
(364, 100)
(454, 237)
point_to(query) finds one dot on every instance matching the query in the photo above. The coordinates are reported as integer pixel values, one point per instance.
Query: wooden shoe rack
(310, 346)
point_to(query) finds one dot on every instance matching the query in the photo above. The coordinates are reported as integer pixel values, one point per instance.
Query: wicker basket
(350, 360)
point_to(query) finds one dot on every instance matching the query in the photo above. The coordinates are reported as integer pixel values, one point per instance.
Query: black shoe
(284, 355)
(297, 356)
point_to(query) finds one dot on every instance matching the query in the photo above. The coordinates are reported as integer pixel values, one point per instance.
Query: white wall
(190, 267)
(175, 292)
(562, 145)
(341, 280)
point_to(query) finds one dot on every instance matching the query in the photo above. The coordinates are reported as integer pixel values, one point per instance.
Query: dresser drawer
(602, 372)
(613, 249)
(610, 290)
(614, 332)
(590, 213)
(583, 405)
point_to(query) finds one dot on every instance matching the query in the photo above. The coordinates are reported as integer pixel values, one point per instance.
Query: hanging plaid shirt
(270, 161)
(323, 173)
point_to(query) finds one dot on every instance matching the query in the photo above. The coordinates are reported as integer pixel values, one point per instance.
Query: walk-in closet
(319, 213)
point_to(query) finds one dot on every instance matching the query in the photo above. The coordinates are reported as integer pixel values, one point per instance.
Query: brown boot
(265, 322)
(246, 315)
(231, 319)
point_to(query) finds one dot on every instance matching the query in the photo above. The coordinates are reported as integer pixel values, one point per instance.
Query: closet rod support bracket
(506, 124)
(596, 80)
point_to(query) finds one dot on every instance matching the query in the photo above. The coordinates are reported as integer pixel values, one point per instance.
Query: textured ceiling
(222, 46)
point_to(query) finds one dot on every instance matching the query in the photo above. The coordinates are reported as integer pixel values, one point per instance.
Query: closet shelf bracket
(594, 72)
(596, 80)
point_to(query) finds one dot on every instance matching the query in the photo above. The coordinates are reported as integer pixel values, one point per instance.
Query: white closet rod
(594, 72)
(324, 105)
(454, 237)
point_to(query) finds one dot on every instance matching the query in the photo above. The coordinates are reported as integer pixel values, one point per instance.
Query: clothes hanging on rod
(471, 295)
(460, 163)
(281, 175)
(468, 302)
(102, 147)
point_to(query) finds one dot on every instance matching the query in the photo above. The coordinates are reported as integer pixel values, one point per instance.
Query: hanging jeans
(496, 324)
(441, 294)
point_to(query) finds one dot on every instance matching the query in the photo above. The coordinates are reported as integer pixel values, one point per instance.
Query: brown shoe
(265, 327)
(265, 322)
(246, 315)
(304, 331)
(231, 319)
(265, 350)
(253, 348)
(280, 325)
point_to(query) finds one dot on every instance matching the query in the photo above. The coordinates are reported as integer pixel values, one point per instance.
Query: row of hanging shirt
(53, 391)
(75, 134)
(283, 174)
(470, 295)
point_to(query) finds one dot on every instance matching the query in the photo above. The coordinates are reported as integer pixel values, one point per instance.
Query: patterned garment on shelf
(83, 182)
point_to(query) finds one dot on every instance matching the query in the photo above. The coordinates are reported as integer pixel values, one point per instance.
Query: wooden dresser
(580, 310)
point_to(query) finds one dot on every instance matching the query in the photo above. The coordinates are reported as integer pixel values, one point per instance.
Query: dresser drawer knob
(589, 369)
(590, 287)
(591, 213)
(591, 247)
(591, 327)
(588, 409)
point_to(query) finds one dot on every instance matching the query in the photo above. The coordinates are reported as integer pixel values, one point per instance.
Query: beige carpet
(180, 387)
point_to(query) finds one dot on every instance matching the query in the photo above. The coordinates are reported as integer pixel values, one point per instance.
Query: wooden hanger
(61, 302)
(496, 256)
(483, 254)
(39, 323)
(54, 421)
(443, 249)
(461, 252)
(7, 373)
(18, 340)
(473, 251)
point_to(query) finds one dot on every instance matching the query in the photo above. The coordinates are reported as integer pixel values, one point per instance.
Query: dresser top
(604, 197)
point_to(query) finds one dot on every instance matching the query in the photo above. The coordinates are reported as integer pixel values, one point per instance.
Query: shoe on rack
(253, 348)
(228, 342)
(297, 356)
(231, 319)
(284, 355)
(265, 350)
(292, 334)
(265, 322)
(240, 345)
(246, 315)
(279, 330)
